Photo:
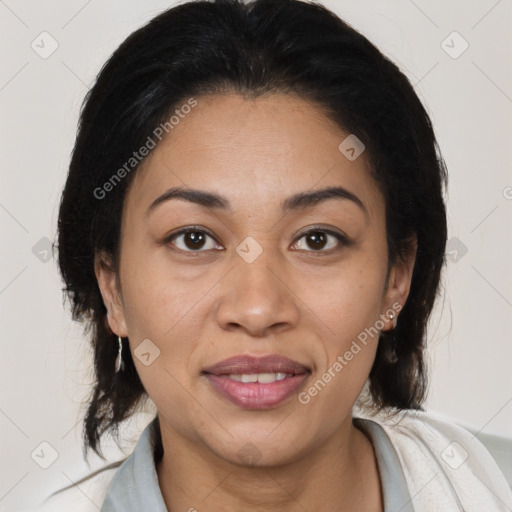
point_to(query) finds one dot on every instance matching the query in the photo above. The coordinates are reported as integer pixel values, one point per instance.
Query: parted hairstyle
(250, 48)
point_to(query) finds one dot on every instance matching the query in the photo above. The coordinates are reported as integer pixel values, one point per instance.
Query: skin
(299, 300)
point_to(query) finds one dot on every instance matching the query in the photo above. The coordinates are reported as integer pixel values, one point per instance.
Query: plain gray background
(45, 363)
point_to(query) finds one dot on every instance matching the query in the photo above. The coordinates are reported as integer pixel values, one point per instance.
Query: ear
(109, 287)
(399, 283)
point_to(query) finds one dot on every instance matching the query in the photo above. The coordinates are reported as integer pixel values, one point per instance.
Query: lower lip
(254, 395)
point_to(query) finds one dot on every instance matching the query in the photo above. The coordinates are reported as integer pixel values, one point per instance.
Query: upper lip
(250, 364)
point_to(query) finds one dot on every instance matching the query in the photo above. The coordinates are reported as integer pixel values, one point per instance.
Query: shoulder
(87, 495)
(443, 462)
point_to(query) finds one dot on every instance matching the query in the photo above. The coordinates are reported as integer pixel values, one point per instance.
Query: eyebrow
(299, 201)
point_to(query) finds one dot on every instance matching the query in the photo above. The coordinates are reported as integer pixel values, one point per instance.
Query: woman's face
(248, 282)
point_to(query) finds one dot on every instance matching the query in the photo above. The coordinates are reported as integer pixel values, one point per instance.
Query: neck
(339, 475)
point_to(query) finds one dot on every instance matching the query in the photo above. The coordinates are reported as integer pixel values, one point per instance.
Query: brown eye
(192, 240)
(316, 240)
(321, 240)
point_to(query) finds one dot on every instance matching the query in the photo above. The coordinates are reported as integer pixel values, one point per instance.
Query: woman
(254, 227)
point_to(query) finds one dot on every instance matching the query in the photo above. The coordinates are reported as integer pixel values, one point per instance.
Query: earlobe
(399, 282)
(108, 284)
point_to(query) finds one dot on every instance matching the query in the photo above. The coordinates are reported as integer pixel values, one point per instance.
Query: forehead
(253, 151)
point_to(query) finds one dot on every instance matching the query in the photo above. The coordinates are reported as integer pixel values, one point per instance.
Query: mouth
(256, 383)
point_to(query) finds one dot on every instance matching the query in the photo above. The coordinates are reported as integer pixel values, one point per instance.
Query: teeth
(263, 378)
(266, 378)
(249, 377)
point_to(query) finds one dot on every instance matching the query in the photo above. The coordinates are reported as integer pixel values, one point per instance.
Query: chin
(258, 448)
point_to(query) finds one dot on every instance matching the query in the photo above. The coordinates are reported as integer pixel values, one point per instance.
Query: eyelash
(342, 239)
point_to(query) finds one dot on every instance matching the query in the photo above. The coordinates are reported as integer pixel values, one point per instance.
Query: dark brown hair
(252, 48)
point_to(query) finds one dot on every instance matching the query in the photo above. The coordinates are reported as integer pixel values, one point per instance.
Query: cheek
(157, 294)
(350, 299)
(349, 309)
(162, 307)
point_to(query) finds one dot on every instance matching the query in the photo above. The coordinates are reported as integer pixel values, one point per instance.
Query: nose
(258, 298)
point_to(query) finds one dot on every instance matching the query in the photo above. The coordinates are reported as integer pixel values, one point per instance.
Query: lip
(256, 395)
(250, 364)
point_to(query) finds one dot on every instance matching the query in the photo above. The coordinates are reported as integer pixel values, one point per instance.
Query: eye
(192, 239)
(321, 240)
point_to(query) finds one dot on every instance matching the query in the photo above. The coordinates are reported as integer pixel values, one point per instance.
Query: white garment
(447, 469)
